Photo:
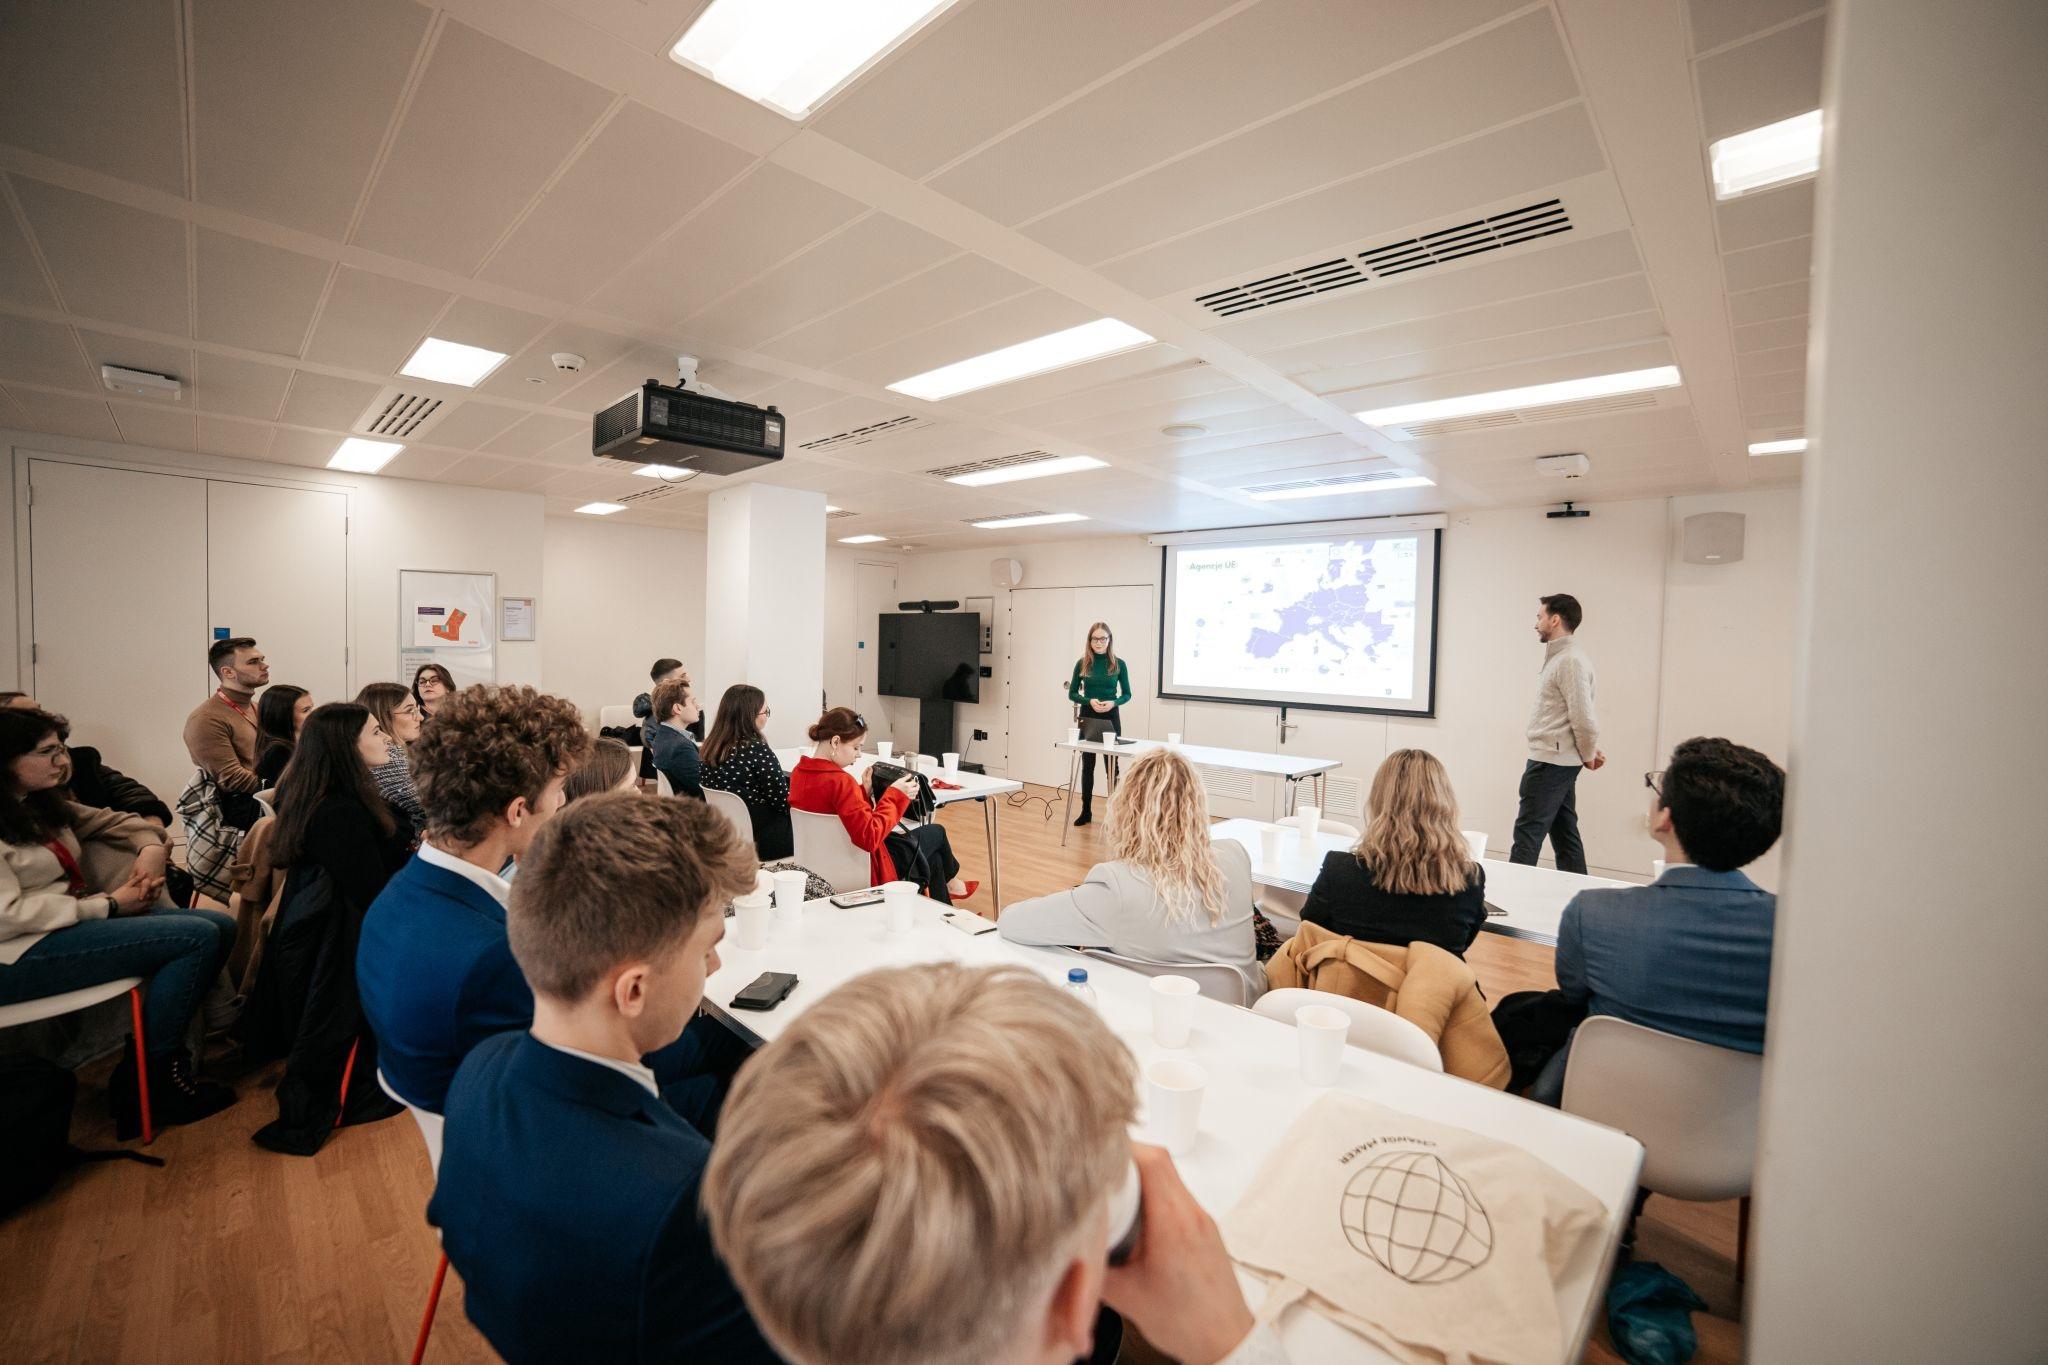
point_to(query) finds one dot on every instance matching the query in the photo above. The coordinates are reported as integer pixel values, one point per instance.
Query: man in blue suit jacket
(1689, 954)
(568, 1190)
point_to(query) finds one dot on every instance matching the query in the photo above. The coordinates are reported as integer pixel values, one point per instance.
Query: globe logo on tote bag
(1412, 1214)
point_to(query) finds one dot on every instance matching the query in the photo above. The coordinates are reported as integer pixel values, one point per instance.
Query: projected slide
(1332, 621)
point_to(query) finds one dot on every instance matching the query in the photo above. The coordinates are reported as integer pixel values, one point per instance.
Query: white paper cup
(899, 903)
(1173, 736)
(885, 747)
(1322, 1031)
(750, 914)
(1309, 820)
(1173, 1009)
(950, 762)
(1656, 868)
(1173, 1102)
(1073, 734)
(789, 890)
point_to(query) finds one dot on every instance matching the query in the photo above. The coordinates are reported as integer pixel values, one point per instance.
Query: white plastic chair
(732, 808)
(823, 846)
(1692, 1105)
(1215, 980)
(661, 783)
(69, 1002)
(1372, 1028)
(609, 716)
(1475, 839)
(430, 1131)
(1337, 827)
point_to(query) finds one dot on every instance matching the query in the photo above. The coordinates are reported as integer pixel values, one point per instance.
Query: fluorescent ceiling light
(1037, 469)
(1056, 351)
(601, 509)
(793, 55)
(829, 509)
(451, 362)
(861, 540)
(1364, 483)
(1533, 396)
(1042, 519)
(359, 456)
(1792, 447)
(1766, 156)
(666, 471)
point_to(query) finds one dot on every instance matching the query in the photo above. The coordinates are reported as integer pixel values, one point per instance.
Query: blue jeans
(177, 953)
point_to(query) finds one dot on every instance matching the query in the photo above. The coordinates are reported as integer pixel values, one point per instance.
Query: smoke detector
(1570, 466)
(567, 360)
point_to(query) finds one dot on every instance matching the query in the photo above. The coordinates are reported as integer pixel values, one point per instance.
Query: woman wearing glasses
(1100, 686)
(822, 784)
(737, 759)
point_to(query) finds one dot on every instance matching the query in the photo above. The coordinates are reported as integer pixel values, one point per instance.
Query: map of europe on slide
(1334, 617)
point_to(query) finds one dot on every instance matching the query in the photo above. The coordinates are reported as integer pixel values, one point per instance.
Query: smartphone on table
(765, 991)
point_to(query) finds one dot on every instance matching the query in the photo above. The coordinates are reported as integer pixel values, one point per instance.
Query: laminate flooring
(231, 1253)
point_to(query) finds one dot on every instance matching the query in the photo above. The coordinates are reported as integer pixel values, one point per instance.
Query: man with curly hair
(433, 965)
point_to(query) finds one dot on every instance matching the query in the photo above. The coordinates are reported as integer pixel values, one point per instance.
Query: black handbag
(35, 1130)
(923, 805)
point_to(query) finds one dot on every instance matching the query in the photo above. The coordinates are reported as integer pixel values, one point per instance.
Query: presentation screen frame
(1432, 526)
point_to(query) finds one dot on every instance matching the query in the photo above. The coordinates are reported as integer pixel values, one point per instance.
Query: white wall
(1664, 636)
(614, 598)
(1901, 1191)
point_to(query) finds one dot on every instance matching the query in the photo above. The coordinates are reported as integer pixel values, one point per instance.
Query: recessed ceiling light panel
(1796, 446)
(1054, 351)
(861, 540)
(793, 55)
(359, 456)
(1040, 519)
(451, 362)
(601, 509)
(1766, 156)
(1530, 396)
(1036, 469)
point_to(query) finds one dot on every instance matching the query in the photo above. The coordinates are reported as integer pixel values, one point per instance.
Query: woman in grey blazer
(1171, 894)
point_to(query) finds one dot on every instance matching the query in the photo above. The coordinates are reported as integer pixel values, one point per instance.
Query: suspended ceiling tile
(1588, 340)
(514, 378)
(1770, 336)
(486, 128)
(536, 433)
(242, 388)
(1020, 319)
(875, 251)
(984, 67)
(154, 356)
(1767, 216)
(43, 353)
(372, 322)
(1778, 263)
(1762, 82)
(21, 278)
(1716, 23)
(1765, 305)
(291, 99)
(96, 84)
(948, 290)
(257, 296)
(1247, 67)
(470, 424)
(1541, 152)
(473, 322)
(307, 449)
(321, 400)
(111, 262)
(640, 175)
(238, 440)
(62, 414)
(1785, 360)
(1505, 73)
(147, 424)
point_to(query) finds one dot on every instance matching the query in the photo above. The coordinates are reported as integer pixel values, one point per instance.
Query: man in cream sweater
(1563, 737)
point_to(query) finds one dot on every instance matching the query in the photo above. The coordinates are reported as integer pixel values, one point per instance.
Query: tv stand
(935, 727)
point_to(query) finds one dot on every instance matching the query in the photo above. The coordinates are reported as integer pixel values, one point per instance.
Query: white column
(1902, 1198)
(764, 611)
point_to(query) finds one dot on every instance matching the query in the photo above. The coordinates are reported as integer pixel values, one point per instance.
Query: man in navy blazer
(1689, 954)
(568, 1190)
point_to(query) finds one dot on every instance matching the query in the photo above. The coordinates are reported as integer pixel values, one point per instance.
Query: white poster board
(448, 619)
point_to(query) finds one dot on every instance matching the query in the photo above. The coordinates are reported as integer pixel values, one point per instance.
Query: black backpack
(35, 1130)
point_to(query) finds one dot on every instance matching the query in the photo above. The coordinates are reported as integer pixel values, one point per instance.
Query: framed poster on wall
(448, 619)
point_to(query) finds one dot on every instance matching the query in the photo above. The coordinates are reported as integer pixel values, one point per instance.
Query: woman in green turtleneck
(1101, 684)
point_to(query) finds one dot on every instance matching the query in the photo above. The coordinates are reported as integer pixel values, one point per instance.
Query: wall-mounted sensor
(141, 383)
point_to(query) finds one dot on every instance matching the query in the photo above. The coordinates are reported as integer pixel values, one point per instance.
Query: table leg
(1073, 776)
(1289, 803)
(995, 854)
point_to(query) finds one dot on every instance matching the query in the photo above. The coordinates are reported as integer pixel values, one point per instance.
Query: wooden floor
(232, 1253)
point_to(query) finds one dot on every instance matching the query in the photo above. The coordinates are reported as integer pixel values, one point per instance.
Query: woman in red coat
(821, 784)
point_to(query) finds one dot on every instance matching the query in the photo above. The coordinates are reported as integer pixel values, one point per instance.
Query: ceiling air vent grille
(954, 471)
(1005, 516)
(1508, 228)
(396, 415)
(842, 512)
(860, 436)
(1336, 483)
(1555, 412)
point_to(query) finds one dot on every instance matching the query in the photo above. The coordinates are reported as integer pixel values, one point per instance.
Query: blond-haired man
(920, 1171)
(567, 1196)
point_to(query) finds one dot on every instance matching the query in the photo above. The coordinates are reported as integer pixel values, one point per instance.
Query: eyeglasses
(48, 752)
(1655, 782)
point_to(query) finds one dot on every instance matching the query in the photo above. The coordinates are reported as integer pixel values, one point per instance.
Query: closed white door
(117, 590)
(1042, 646)
(277, 569)
(874, 592)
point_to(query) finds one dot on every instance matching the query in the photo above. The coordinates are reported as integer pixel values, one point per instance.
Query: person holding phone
(1100, 686)
(821, 784)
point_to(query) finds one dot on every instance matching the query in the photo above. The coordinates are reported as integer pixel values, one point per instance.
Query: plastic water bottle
(1077, 985)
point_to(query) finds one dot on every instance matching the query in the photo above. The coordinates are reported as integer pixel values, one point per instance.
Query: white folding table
(1293, 770)
(1521, 901)
(966, 786)
(1255, 1088)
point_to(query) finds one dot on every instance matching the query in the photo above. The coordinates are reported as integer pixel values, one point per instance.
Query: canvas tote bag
(1434, 1243)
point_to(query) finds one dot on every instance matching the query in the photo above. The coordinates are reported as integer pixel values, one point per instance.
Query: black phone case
(743, 1001)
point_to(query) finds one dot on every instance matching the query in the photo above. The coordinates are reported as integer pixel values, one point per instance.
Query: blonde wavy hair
(1411, 843)
(1160, 826)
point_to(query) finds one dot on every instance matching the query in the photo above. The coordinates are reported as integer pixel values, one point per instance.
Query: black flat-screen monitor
(933, 656)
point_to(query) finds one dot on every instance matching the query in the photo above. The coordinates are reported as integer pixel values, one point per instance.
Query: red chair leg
(348, 1070)
(141, 1064)
(1742, 1240)
(419, 1347)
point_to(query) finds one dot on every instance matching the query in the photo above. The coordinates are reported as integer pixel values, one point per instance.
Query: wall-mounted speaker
(1713, 538)
(1006, 573)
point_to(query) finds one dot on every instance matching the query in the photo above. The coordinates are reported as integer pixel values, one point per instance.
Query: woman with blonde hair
(1100, 686)
(1171, 894)
(1411, 877)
